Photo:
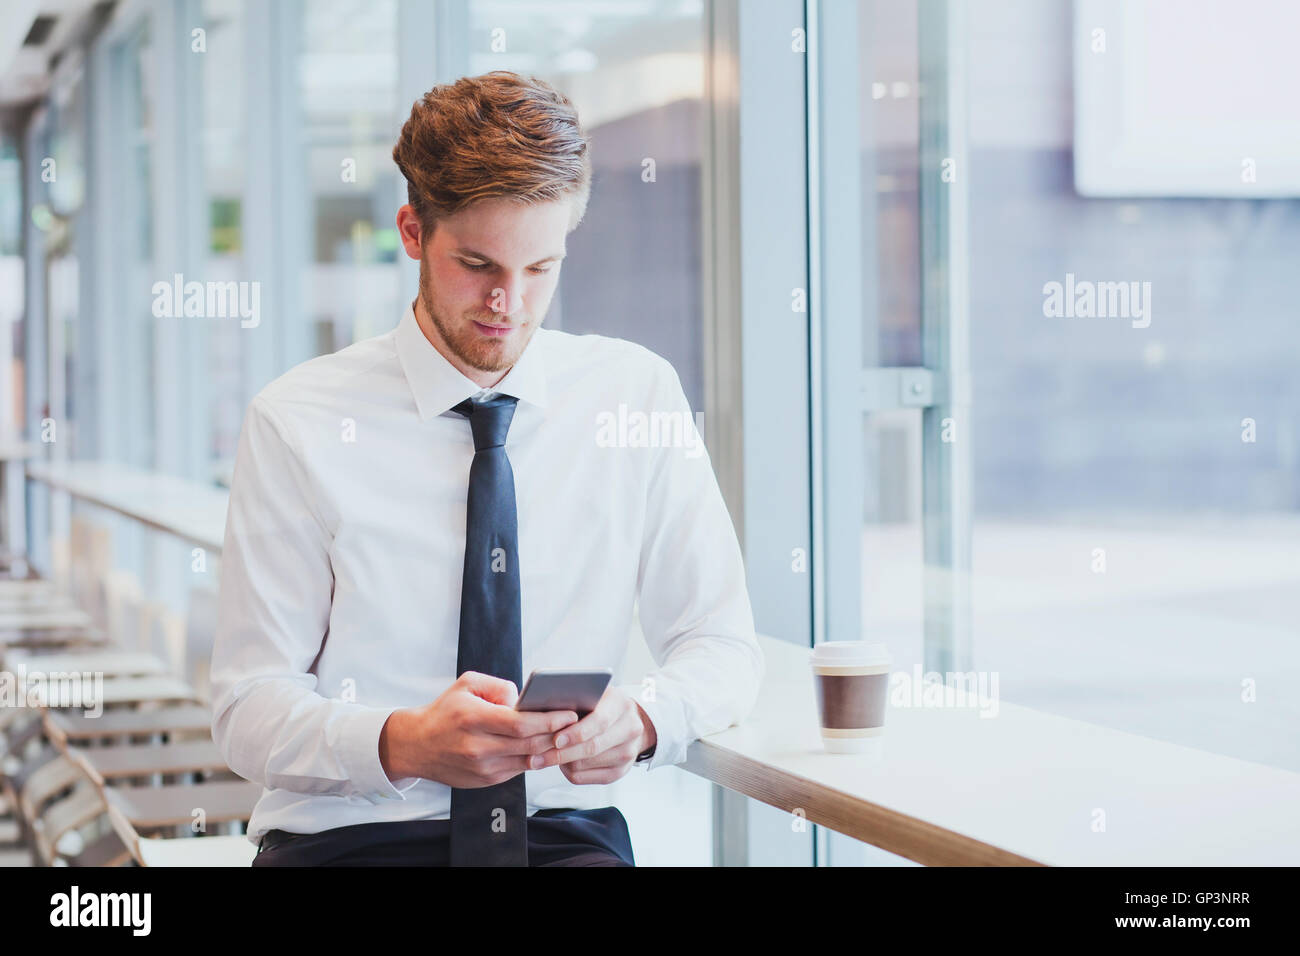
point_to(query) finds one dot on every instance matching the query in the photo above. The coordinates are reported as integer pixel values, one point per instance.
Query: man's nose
(507, 298)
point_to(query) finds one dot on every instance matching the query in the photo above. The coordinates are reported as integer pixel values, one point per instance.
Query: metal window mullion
(276, 205)
(91, 247)
(35, 312)
(835, 319)
(835, 311)
(292, 201)
(754, 236)
(816, 281)
(420, 25)
(721, 341)
(720, 242)
(194, 441)
(945, 336)
(180, 411)
(170, 255)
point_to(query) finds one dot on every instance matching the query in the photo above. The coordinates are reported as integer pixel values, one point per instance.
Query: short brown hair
(492, 136)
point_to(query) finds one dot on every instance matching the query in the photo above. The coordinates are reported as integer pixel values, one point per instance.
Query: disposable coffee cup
(851, 679)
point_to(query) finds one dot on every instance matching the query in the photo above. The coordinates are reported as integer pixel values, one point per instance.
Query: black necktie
(489, 825)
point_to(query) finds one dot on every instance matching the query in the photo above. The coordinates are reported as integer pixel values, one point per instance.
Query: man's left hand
(603, 746)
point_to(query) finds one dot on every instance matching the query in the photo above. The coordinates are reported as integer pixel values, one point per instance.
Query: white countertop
(191, 510)
(950, 786)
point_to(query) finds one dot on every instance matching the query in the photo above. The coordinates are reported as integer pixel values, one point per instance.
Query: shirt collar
(438, 385)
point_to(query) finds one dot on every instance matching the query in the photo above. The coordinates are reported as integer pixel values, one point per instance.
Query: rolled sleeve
(276, 591)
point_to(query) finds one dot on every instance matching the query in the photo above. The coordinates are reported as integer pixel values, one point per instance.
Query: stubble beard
(475, 350)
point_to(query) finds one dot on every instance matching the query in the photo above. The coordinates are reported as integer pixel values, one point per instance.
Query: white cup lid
(850, 652)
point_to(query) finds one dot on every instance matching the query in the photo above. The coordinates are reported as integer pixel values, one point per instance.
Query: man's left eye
(480, 266)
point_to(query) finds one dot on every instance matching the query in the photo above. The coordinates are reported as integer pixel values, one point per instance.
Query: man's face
(487, 275)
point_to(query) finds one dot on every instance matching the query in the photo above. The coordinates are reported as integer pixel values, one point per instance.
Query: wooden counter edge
(887, 829)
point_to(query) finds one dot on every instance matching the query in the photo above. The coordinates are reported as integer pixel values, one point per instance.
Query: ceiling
(32, 33)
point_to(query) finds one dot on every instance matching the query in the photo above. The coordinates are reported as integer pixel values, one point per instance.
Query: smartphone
(564, 688)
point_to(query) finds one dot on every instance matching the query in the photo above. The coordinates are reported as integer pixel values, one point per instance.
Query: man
(420, 519)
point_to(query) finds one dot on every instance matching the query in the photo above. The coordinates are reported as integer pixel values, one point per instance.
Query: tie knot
(490, 420)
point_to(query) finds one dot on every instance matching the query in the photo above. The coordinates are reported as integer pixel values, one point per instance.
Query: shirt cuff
(369, 780)
(670, 741)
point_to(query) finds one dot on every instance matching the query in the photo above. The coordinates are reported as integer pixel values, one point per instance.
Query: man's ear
(408, 227)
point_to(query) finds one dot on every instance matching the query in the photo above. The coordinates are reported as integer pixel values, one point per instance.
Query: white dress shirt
(344, 554)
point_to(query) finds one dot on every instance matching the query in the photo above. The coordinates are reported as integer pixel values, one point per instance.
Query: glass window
(224, 135)
(888, 100)
(12, 287)
(889, 95)
(1136, 483)
(635, 73)
(128, 327)
(347, 72)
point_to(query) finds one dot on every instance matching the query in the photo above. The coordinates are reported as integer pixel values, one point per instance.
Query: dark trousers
(559, 837)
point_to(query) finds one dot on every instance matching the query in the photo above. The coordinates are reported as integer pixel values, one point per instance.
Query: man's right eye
(474, 266)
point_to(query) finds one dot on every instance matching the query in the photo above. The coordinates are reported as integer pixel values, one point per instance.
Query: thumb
(495, 690)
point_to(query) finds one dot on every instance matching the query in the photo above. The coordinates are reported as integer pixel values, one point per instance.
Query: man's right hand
(471, 736)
